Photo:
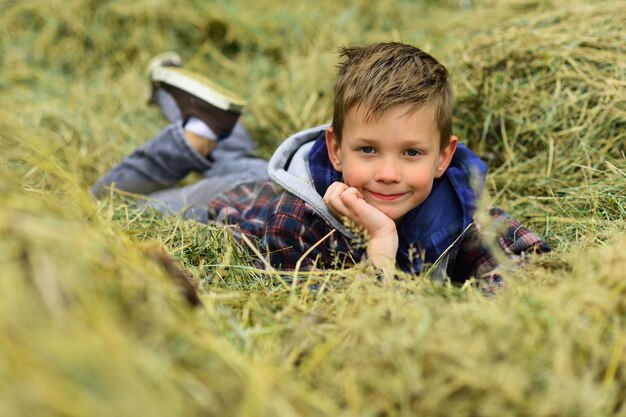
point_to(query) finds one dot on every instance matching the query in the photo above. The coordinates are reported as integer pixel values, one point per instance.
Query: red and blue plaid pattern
(286, 227)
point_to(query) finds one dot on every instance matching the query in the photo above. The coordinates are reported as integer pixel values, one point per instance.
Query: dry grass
(92, 325)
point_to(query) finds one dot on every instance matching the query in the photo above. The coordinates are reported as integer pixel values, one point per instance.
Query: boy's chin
(393, 214)
(396, 211)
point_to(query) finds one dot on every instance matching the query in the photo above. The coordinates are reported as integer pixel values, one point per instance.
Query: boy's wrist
(381, 251)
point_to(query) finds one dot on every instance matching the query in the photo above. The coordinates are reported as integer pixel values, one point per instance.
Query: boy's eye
(367, 149)
(411, 152)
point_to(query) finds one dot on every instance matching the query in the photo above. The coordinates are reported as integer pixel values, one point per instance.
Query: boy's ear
(334, 149)
(445, 156)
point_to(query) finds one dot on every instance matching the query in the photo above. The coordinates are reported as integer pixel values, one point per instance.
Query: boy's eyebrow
(403, 142)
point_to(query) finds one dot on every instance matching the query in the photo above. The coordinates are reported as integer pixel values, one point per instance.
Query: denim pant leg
(154, 168)
(159, 163)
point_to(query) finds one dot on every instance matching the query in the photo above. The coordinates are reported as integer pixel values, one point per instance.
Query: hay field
(92, 323)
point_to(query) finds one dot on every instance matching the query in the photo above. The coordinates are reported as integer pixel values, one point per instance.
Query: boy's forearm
(381, 252)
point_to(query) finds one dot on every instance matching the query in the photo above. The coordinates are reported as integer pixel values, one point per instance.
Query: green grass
(93, 325)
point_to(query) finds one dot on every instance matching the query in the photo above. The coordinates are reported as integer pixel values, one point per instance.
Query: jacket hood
(289, 169)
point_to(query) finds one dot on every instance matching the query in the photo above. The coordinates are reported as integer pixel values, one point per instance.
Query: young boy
(388, 166)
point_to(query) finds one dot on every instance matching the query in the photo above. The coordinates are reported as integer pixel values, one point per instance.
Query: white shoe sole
(203, 89)
(165, 59)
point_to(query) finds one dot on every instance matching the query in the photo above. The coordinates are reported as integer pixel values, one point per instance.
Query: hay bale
(543, 98)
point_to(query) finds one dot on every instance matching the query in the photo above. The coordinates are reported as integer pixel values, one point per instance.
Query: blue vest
(428, 230)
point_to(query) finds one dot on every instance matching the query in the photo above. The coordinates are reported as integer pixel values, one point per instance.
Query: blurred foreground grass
(91, 325)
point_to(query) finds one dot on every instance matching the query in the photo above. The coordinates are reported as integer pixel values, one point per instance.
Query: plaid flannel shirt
(286, 227)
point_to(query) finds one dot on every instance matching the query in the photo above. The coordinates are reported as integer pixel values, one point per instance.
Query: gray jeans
(155, 168)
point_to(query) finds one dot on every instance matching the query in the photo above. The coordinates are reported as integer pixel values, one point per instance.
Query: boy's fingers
(343, 201)
(332, 199)
(350, 198)
(357, 207)
(329, 193)
(368, 216)
(351, 192)
(333, 194)
(338, 207)
(336, 188)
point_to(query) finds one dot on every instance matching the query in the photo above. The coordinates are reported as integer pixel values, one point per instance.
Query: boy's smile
(391, 160)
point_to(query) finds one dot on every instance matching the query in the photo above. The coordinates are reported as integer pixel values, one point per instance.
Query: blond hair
(385, 75)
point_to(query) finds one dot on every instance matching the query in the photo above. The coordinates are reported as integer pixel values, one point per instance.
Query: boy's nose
(387, 173)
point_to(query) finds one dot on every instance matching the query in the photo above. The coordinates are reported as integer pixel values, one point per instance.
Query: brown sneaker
(197, 96)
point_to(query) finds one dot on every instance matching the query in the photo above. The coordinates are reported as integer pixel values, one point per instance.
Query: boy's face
(393, 160)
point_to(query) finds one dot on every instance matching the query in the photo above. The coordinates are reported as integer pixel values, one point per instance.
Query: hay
(92, 324)
(547, 106)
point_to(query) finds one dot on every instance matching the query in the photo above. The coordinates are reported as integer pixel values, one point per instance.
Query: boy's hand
(344, 201)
